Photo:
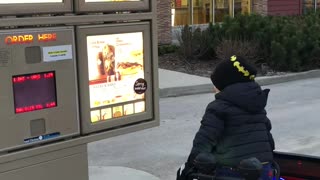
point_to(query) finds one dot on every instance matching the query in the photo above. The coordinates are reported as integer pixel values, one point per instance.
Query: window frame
(212, 16)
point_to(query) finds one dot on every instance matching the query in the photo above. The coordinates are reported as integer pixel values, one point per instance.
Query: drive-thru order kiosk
(71, 74)
(39, 94)
(77, 71)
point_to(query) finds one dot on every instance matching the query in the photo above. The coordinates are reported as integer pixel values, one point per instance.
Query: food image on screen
(115, 62)
(127, 68)
(106, 61)
(106, 114)
(95, 116)
(117, 111)
(140, 107)
(128, 109)
(29, 1)
(34, 91)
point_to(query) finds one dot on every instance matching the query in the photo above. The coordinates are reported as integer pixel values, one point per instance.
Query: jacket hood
(248, 96)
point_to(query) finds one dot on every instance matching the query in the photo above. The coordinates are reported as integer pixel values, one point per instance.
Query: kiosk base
(65, 164)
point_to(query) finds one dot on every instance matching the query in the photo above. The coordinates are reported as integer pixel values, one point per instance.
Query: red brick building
(164, 21)
(278, 7)
(175, 13)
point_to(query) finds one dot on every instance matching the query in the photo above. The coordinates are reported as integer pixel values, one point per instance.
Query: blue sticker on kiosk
(41, 138)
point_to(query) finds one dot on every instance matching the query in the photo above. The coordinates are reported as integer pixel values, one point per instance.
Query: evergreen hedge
(284, 43)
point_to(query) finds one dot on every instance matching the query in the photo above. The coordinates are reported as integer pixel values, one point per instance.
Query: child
(235, 126)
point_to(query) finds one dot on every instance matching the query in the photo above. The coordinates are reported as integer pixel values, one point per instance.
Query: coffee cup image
(106, 61)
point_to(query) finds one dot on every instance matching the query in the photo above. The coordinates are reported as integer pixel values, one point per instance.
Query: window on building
(202, 11)
(242, 7)
(309, 6)
(180, 12)
(205, 11)
(222, 9)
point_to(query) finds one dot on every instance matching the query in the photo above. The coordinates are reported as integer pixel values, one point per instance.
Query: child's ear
(215, 90)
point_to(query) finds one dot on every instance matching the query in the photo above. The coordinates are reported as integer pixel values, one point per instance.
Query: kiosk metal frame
(60, 159)
(7, 8)
(129, 5)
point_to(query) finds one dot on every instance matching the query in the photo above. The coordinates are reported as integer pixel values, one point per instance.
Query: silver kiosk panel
(38, 92)
(23, 7)
(115, 75)
(111, 5)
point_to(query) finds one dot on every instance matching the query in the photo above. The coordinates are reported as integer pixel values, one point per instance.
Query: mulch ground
(195, 67)
(202, 68)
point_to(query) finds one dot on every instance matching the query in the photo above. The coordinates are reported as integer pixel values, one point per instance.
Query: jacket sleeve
(207, 136)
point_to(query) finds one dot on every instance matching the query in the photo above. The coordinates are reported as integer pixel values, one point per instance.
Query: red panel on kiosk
(34, 91)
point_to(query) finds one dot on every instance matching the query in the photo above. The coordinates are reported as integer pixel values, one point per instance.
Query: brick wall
(264, 7)
(164, 21)
(277, 7)
(284, 7)
(260, 7)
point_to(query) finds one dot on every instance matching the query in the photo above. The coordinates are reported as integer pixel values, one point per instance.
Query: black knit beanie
(231, 71)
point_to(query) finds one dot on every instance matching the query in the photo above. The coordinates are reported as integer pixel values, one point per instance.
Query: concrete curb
(185, 90)
(263, 81)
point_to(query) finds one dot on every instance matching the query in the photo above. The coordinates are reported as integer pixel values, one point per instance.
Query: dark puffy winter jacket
(235, 126)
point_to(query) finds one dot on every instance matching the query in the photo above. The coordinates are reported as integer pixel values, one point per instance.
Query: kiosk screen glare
(34, 91)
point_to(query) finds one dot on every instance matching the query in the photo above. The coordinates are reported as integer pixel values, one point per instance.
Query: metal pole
(232, 6)
(191, 11)
(214, 11)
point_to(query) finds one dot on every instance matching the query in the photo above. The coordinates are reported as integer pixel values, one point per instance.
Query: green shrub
(244, 48)
(199, 44)
(315, 57)
(278, 56)
(167, 49)
(186, 42)
(284, 43)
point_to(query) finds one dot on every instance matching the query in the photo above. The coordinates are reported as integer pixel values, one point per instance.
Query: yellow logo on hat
(233, 58)
(240, 68)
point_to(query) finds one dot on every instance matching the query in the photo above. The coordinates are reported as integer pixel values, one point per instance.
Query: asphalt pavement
(155, 153)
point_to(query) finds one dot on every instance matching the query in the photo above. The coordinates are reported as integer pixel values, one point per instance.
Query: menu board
(116, 75)
(29, 1)
(110, 0)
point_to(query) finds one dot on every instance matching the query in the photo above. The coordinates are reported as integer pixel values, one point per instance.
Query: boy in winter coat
(235, 126)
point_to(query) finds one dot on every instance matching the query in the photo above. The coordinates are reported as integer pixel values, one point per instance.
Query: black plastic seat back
(250, 169)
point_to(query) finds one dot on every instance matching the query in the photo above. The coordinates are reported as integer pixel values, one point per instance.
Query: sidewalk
(172, 84)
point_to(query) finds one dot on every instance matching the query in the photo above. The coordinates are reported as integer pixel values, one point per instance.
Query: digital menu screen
(110, 0)
(116, 71)
(34, 91)
(29, 1)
